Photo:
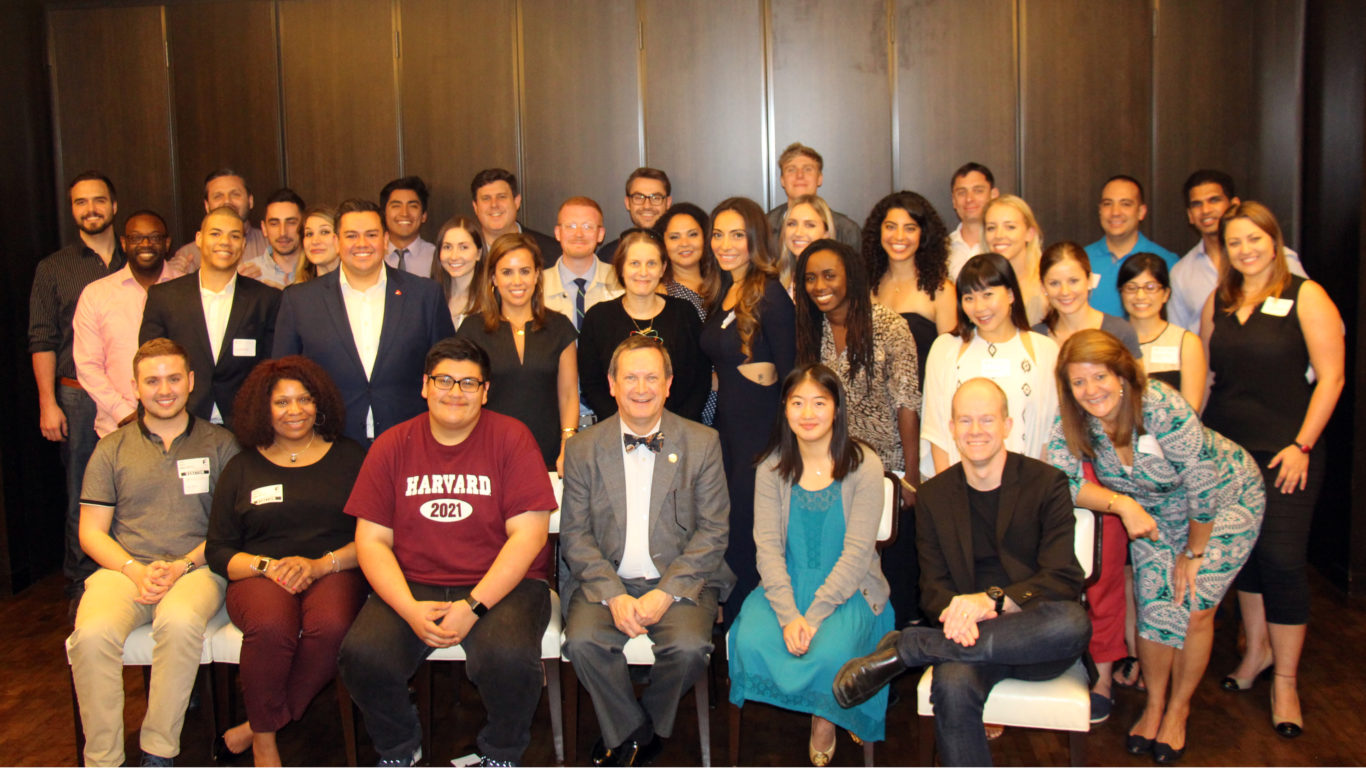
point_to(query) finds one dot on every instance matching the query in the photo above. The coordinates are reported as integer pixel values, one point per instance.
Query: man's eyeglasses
(639, 198)
(444, 383)
(156, 238)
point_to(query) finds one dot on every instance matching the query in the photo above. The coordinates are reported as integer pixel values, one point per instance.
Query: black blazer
(175, 311)
(1035, 535)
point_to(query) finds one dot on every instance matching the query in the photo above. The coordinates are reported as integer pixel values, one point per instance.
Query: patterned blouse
(893, 384)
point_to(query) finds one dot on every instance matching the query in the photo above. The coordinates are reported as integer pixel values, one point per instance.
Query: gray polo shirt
(161, 497)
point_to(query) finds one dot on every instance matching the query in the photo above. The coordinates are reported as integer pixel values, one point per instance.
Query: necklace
(294, 457)
(1156, 336)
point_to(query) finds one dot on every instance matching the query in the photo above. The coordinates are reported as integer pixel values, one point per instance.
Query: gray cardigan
(859, 567)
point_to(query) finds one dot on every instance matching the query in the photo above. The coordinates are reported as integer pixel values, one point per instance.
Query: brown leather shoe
(864, 676)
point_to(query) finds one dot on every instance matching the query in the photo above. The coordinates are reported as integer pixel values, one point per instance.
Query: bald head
(980, 424)
(983, 392)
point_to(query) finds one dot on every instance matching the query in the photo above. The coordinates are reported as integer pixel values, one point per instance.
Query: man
(225, 187)
(995, 535)
(496, 202)
(108, 316)
(404, 202)
(973, 186)
(648, 196)
(283, 226)
(144, 515)
(643, 528)
(801, 172)
(578, 280)
(1121, 211)
(453, 559)
(66, 414)
(1208, 193)
(225, 321)
(368, 325)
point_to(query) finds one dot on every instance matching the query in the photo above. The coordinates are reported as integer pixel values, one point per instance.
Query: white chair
(886, 534)
(1060, 704)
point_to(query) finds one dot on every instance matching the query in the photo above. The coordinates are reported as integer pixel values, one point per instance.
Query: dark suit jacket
(689, 511)
(550, 247)
(175, 311)
(1035, 534)
(313, 323)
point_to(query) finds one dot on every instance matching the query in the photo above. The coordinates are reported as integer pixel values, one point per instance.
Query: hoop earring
(319, 419)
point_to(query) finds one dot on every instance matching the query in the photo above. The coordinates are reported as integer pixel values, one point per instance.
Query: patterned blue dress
(1182, 472)
(761, 669)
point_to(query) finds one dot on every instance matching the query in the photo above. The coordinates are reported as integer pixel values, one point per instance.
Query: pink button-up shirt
(108, 316)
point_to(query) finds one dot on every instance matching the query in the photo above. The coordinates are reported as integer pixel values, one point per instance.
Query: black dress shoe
(600, 754)
(1138, 744)
(862, 677)
(1163, 754)
(632, 752)
(224, 756)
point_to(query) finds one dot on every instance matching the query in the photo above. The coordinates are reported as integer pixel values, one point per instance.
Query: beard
(89, 230)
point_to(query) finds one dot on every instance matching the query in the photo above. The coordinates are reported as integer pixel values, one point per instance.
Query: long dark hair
(858, 320)
(1137, 264)
(845, 451)
(931, 256)
(983, 271)
(490, 302)
(443, 278)
(763, 266)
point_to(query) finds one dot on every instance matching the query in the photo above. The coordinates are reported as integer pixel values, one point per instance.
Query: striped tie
(578, 302)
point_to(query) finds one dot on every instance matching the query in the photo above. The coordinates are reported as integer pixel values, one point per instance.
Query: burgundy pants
(1106, 596)
(290, 642)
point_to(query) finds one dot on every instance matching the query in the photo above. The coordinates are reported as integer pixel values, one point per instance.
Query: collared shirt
(418, 261)
(57, 285)
(559, 292)
(1195, 277)
(186, 259)
(365, 313)
(217, 307)
(272, 273)
(960, 251)
(636, 562)
(106, 325)
(1105, 265)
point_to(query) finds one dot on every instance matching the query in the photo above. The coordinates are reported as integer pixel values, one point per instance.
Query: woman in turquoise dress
(823, 598)
(1190, 499)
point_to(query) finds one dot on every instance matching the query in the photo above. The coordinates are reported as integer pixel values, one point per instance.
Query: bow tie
(653, 442)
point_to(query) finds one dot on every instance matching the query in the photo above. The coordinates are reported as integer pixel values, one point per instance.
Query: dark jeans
(381, 653)
(75, 452)
(1036, 644)
(1278, 566)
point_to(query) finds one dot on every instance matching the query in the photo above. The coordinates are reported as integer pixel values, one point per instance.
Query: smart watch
(478, 608)
(261, 564)
(999, 595)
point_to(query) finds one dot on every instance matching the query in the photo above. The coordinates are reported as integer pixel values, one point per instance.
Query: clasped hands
(962, 614)
(440, 624)
(294, 574)
(155, 579)
(633, 614)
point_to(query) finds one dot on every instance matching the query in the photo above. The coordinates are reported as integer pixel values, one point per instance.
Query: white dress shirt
(960, 252)
(365, 313)
(636, 562)
(217, 307)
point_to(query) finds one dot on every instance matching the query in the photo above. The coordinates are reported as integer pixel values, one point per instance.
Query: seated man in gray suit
(643, 528)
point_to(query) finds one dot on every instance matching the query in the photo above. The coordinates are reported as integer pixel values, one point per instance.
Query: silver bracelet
(336, 566)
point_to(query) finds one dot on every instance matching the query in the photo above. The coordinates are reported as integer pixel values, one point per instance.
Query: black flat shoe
(1138, 744)
(1163, 754)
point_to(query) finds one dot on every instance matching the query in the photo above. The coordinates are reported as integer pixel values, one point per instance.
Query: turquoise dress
(761, 669)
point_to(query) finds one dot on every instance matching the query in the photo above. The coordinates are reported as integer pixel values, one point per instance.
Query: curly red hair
(251, 420)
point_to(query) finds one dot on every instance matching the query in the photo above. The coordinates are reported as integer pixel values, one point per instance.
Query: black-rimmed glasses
(444, 383)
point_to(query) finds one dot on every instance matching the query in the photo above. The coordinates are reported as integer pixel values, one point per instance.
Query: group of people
(721, 393)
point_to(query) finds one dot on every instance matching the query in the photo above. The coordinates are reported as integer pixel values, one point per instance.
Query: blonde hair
(787, 260)
(1034, 250)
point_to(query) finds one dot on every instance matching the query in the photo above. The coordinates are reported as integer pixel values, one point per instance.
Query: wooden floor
(1225, 728)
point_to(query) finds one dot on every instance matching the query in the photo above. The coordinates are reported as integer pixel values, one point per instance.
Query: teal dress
(761, 669)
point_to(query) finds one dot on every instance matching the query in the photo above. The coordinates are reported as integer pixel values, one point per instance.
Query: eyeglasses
(1134, 288)
(444, 383)
(639, 198)
(587, 227)
(156, 238)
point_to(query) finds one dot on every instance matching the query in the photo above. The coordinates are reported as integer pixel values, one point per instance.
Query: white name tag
(268, 494)
(194, 475)
(730, 318)
(1148, 444)
(244, 347)
(1277, 307)
(996, 367)
(1095, 280)
(1166, 355)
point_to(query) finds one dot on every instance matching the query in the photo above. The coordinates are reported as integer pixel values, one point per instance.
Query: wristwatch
(261, 564)
(999, 595)
(478, 608)
(1190, 555)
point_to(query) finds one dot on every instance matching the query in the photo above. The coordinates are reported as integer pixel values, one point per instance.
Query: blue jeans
(75, 452)
(1036, 644)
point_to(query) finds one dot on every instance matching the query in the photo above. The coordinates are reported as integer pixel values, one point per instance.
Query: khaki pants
(108, 613)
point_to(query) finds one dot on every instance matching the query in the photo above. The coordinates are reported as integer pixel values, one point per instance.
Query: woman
(1065, 271)
(457, 268)
(906, 250)
(1266, 331)
(1190, 498)
(278, 534)
(320, 243)
(993, 340)
(689, 274)
(817, 505)
(639, 265)
(1011, 230)
(750, 339)
(807, 220)
(533, 366)
(1171, 354)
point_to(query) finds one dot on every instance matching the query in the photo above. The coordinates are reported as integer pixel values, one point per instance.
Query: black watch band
(478, 608)
(999, 595)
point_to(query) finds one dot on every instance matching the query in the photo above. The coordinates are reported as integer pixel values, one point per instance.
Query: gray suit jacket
(689, 511)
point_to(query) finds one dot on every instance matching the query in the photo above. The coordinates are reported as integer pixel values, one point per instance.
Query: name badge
(1166, 355)
(194, 475)
(268, 494)
(1148, 444)
(730, 318)
(996, 367)
(1277, 307)
(244, 347)
(1095, 280)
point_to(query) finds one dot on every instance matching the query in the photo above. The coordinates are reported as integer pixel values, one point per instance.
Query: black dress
(677, 326)
(526, 389)
(745, 412)
(924, 331)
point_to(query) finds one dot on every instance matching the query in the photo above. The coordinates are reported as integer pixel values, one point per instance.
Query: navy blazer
(175, 311)
(313, 323)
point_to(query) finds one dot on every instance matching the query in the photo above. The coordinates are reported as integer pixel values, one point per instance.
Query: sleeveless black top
(924, 331)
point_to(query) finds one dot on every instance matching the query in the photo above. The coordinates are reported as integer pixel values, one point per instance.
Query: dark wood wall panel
(111, 106)
(459, 97)
(580, 128)
(1086, 93)
(341, 114)
(227, 99)
(831, 92)
(1275, 172)
(704, 98)
(955, 94)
